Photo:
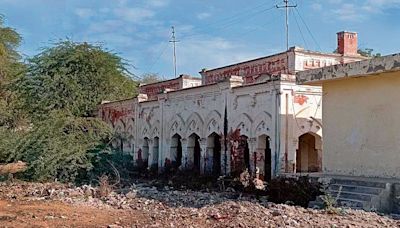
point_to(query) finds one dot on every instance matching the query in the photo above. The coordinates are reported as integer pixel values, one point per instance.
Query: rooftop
(184, 76)
(292, 49)
(355, 69)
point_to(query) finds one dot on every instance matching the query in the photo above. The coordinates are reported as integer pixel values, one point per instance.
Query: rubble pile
(167, 207)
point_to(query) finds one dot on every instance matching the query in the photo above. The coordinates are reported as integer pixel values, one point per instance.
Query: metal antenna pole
(174, 41)
(287, 6)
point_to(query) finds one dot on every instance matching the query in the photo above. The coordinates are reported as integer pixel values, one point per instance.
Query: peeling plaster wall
(361, 119)
(153, 90)
(252, 109)
(120, 115)
(303, 114)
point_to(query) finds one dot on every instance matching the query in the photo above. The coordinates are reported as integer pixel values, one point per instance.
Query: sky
(211, 33)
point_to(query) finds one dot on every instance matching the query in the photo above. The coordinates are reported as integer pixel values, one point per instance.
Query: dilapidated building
(246, 115)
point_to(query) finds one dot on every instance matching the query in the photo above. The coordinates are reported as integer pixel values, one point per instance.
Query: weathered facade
(247, 115)
(361, 110)
(153, 89)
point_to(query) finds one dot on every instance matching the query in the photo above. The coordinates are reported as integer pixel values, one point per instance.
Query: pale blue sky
(212, 33)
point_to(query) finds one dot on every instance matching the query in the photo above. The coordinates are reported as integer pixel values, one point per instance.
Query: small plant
(105, 188)
(330, 202)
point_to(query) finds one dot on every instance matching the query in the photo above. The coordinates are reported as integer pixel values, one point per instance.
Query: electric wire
(226, 23)
(300, 31)
(163, 49)
(308, 29)
(231, 23)
(225, 26)
(233, 17)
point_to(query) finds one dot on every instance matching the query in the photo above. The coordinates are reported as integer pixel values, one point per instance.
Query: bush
(60, 147)
(299, 191)
(104, 159)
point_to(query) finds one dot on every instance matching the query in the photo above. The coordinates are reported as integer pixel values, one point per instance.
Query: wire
(251, 30)
(234, 17)
(158, 57)
(229, 23)
(308, 29)
(301, 32)
(224, 24)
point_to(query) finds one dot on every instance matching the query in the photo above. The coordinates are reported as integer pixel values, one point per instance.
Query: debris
(185, 208)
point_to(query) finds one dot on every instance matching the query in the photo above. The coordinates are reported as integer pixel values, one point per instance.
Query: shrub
(60, 147)
(299, 190)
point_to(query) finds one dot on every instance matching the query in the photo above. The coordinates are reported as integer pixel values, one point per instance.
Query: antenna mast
(287, 6)
(174, 41)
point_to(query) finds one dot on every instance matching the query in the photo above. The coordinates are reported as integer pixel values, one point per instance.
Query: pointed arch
(130, 127)
(145, 132)
(177, 125)
(119, 126)
(194, 124)
(155, 131)
(213, 123)
(243, 122)
(262, 124)
(309, 125)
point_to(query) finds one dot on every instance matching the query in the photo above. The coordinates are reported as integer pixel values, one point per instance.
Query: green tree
(60, 147)
(368, 52)
(148, 78)
(75, 78)
(60, 93)
(11, 69)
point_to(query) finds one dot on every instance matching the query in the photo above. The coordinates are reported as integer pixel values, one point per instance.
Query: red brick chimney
(347, 43)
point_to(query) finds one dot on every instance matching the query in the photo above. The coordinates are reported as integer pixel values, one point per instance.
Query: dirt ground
(56, 205)
(57, 214)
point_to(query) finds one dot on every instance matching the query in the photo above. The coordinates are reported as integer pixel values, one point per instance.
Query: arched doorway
(145, 152)
(194, 152)
(264, 151)
(241, 155)
(244, 145)
(176, 150)
(214, 153)
(154, 163)
(308, 154)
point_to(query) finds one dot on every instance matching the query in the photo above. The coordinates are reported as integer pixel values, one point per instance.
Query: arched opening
(264, 157)
(246, 151)
(176, 150)
(194, 152)
(145, 152)
(154, 162)
(131, 146)
(308, 154)
(214, 154)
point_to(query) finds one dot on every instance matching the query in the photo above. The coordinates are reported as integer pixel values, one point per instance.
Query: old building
(246, 115)
(361, 116)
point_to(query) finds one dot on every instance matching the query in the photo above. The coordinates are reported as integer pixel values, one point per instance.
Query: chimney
(347, 43)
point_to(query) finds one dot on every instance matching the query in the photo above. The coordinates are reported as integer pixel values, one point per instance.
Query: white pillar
(151, 153)
(203, 155)
(252, 149)
(185, 154)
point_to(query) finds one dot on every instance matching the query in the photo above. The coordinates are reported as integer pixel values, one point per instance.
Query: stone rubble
(172, 208)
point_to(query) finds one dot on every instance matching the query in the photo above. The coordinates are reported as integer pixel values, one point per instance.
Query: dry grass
(12, 168)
